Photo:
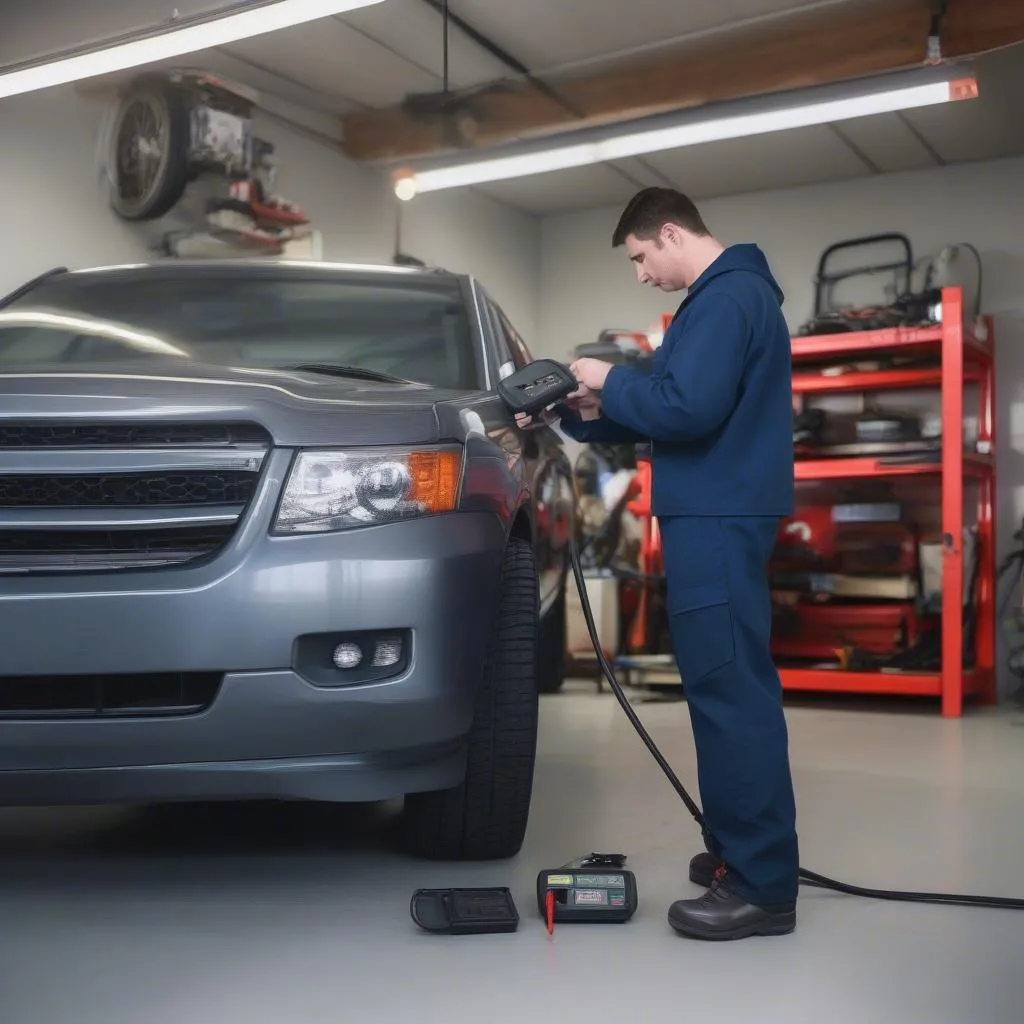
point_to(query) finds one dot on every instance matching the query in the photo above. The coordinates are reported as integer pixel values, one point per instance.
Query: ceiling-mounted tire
(149, 150)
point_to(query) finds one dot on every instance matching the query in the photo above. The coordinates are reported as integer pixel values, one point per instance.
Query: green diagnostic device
(594, 890)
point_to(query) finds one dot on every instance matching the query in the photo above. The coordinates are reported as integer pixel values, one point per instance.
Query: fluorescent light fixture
(801, 110)
(187, 35)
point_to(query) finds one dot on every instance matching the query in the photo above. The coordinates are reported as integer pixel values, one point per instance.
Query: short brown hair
(651, 209)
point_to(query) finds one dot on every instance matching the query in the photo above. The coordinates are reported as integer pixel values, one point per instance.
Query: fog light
(387, 652)
(347, 656)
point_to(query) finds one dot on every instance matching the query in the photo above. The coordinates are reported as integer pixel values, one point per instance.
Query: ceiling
(987, 128)
(376, 56)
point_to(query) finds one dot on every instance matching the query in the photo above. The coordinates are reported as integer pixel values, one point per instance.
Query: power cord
(810, 878)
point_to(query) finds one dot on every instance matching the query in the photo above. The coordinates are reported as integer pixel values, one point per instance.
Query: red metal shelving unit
(966, 355)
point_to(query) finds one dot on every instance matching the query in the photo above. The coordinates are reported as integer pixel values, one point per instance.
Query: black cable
(807, 877)
(444, 44)
(609, 673)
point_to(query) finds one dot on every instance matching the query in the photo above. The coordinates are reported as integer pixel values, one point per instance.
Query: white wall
(586, 285)
(53, 209)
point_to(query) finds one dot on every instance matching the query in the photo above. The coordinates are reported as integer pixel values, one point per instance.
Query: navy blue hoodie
(717, 403)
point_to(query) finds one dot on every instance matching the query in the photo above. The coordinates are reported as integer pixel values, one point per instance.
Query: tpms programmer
(592, 890)
(536, 386)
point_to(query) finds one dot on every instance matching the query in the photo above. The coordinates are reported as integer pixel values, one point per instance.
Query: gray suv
(267, 532)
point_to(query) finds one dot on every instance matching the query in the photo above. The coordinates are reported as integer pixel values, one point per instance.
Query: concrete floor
(300, 915)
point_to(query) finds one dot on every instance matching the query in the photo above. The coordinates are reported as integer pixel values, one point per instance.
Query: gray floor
(264, 916)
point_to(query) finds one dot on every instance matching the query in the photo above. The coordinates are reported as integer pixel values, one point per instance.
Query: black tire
(164, 103)
(551, 656)
(485, 817)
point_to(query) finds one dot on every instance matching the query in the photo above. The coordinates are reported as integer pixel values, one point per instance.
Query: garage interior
(905, 719)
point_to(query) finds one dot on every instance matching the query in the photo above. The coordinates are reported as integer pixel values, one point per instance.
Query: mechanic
(716, 406)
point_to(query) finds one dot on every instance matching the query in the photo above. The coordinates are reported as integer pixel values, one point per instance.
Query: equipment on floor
(465, 911)
(596, 889)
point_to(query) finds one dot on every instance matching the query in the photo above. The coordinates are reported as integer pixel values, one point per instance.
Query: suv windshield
(413, 327)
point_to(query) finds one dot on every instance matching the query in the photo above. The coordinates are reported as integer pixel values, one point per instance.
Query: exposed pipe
(939, 8)
(502, 55)
(445, 15)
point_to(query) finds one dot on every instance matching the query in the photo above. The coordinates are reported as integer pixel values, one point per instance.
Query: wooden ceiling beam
(858, 39)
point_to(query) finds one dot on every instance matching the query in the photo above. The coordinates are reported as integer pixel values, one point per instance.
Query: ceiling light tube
(885, 97)
(176, 39)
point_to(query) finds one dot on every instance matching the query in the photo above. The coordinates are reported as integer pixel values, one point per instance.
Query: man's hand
(582, 401)
(524, 421)
(591, 372)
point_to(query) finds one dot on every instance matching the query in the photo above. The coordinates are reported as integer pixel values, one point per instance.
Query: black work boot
(703, 868)
(721, 914)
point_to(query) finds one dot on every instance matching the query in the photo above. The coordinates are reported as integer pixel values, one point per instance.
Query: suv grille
(82, 550)
(130, 435)
(113, 497)
(107, 696)
(126, 490)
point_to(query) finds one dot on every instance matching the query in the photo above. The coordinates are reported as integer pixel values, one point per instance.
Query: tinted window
(520, 353)
(408, 326)
(513, 342)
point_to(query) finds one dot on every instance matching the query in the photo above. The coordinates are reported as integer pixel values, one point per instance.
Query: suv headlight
(338, 490)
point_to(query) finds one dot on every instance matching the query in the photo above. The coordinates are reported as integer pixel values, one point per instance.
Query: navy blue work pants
(720, 616)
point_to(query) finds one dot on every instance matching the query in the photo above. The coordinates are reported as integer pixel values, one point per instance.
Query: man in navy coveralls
(716, 406)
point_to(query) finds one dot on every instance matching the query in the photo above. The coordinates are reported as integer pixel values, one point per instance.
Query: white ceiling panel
(641, 171)
(332, 57)
(547, 34)
(556, 191)
(802, 156)
(33, 30)
(988, 127)
(960, 134)
(228, 62)
(889, 143)
(413, 29)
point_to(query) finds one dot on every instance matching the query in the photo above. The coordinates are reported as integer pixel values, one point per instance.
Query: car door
(548, 471)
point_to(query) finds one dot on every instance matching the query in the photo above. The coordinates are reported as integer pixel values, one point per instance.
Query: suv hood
(296, 408)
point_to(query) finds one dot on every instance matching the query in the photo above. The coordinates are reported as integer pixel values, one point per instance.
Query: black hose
(807, 877)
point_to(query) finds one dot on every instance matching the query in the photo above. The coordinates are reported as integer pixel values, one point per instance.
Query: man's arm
(600, 430)
(696, 390)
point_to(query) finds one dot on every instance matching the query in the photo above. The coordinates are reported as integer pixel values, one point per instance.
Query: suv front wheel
(485, 817)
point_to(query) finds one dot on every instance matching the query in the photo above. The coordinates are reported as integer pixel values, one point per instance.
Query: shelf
(890, 339)
(850, 342)
(949, 356)
(908, 684)
(836, 681)
(945, 358)
(873, 380)
(849, 469)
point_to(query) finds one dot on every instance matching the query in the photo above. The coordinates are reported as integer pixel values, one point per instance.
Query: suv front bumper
(273, 728)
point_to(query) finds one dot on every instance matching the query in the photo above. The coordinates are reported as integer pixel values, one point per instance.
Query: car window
(515, 345)
(415, 328)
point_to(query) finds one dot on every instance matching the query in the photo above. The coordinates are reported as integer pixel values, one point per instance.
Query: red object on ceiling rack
(966, 355)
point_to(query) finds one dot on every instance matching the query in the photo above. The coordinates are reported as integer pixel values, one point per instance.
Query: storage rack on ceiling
(962, 354)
